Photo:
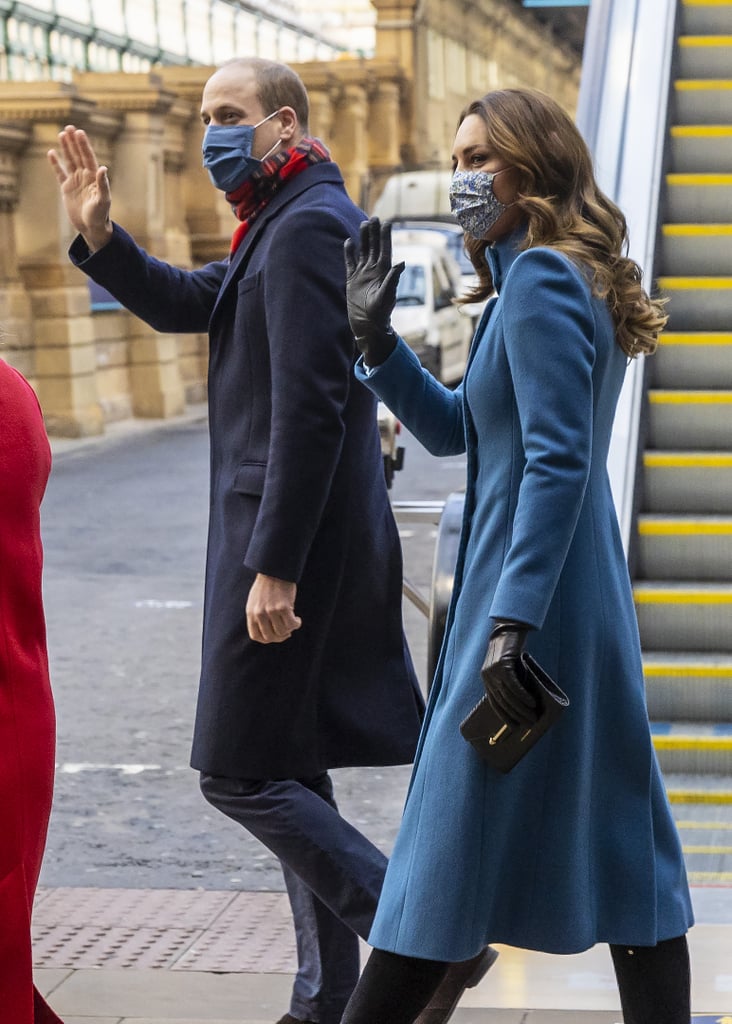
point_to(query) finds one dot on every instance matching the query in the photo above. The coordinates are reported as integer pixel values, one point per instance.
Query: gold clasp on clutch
(494, 739)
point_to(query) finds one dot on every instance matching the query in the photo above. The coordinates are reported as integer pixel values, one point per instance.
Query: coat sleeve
(549, 338)
(165, 297)
(429, 410)
(311, 352)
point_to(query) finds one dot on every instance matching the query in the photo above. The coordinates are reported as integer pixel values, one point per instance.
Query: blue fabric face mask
(227, 153)
(474, 202)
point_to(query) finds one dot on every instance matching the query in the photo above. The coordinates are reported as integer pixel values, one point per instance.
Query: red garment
(27, 721)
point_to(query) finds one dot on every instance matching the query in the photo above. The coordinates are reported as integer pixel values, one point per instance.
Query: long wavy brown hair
(564, 208)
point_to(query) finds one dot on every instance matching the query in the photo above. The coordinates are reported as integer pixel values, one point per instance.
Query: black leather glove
(508, 697)
(371, 285)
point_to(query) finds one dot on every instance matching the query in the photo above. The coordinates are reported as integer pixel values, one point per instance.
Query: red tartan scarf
(252, 197)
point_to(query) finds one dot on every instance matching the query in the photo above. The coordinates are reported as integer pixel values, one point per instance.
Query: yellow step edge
(701, 131)
(679, 461)
(723, 672)
(710, 878)
(699, 179)
(643, 595)
(705, 40)
(696, 230)
(683, 528)
(703, 825)
(661, 397)
(699, 796)
(708, 850)
(707, 3)
(696, 283)
(696, 338)
(702, 84)
(700, 743)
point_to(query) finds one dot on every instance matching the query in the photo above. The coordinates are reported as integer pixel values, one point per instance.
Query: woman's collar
(501, 254)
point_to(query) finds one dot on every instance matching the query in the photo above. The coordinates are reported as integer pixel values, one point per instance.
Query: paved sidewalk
(125, 956)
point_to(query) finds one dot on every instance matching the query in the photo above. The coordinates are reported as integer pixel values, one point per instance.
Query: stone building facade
(91, 363)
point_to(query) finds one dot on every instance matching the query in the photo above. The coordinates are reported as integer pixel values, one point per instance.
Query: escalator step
(694, 748)
(687, 482)
(684, 548)
(701, 418)
(684, 617)
(692, 359)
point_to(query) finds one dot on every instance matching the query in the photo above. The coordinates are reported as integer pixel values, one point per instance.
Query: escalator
(682, 539)
(656, 109)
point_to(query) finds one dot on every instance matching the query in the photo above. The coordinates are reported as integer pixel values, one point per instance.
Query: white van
(425, 314)
(415, 195)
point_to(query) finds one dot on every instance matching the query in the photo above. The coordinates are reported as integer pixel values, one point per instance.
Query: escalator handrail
(622, 114)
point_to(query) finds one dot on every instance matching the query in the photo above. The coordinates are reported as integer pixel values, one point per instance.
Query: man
(304, 662)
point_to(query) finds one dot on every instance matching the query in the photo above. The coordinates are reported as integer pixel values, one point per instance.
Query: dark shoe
(289, 1019)
(460, 976)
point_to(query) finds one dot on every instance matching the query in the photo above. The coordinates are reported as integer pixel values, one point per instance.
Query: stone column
(389, 120)
(64, 361)
(16, 336)
(137, 173)
(322, 112)
(183, 172)
(210, 222)
(324, 92)
(350, 133)
(395, 25)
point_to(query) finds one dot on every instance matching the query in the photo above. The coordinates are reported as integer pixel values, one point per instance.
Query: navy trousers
(333, 876)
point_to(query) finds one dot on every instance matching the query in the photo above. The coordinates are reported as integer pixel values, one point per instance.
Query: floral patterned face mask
(474, 202)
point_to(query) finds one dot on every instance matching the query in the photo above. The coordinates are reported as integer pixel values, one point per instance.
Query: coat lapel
(315, 175)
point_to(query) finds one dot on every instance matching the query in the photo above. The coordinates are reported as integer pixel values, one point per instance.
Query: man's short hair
(277, 86)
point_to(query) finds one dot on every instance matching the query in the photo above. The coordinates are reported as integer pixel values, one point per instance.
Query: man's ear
(290, 125)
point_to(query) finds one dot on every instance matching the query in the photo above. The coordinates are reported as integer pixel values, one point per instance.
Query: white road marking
(151, 602)
(74, 767)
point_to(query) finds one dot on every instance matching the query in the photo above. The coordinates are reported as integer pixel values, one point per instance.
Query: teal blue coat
(577, 844)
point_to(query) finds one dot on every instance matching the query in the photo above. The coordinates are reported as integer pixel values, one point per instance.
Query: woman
(576, 845)
(27, 723)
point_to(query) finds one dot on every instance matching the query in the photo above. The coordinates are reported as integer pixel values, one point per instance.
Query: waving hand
(84, 186)
(371, 287)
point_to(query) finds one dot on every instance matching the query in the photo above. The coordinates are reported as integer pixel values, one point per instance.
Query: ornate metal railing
(53, 38)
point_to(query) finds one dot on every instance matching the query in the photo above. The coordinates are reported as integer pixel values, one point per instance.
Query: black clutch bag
(499, 743)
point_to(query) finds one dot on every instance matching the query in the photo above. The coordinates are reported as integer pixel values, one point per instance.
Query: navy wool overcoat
(297, 492)
(576, 845)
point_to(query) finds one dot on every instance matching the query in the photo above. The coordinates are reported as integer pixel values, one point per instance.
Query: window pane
(109, 15)
(222, 17)
(197, 32)
(76, 10)
(411, 288)
(141, 21)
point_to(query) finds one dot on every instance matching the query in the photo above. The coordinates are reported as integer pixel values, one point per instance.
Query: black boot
(654, 982)
(393, 989)
(458, 977)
